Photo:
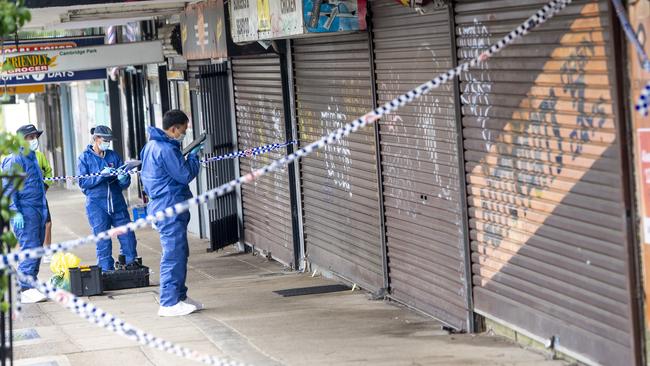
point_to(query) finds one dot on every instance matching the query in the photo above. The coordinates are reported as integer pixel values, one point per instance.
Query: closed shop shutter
(260, 121)
(544, 168)
(342, 230)
(420, 165)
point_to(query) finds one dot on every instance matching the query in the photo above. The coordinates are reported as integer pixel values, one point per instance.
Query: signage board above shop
(334, 16)
(203, 31)
(62, 61)
(36, 45)
(23, 89)
(260, 20)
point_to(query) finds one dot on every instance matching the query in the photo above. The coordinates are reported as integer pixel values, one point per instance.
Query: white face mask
(103, 146)
(33, 145)
(181, 138)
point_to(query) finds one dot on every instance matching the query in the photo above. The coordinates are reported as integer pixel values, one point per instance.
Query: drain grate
(315, 290)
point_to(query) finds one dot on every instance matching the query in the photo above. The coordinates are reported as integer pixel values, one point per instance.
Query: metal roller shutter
(260, 121)
(342, 230)
(420, 165)
(543, 162)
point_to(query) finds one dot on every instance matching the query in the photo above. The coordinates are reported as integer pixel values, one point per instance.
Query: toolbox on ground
(125, 276)
(86, 281)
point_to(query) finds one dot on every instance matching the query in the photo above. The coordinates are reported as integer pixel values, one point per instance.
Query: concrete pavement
(244, 318)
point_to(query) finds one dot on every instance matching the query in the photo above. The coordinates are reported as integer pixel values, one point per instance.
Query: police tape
(644, 98)
(233, 155)
(107, 321)
(541, 16)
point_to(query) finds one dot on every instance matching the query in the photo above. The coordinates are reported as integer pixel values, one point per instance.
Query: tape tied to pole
(258, 150)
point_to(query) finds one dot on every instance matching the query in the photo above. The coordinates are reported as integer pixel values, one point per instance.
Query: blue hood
(157, 134)
(165, 172)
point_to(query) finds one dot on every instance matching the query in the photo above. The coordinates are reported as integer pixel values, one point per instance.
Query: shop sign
(203, 31)
(23, 89)
(60, 62)
(259, 20)
(243, 20)
(334, 16)
(262, 20)
(16, 62)
(152, 72)
(175, 75)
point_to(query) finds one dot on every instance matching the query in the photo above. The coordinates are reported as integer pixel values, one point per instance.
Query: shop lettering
(60, 74)
(78, 52)
(242, 26)
(39, 77)
(287, 6)
(28, 63)
(240, 4)
(40, 47)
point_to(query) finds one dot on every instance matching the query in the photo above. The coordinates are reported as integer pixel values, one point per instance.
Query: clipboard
(130, 165)
(194, 144)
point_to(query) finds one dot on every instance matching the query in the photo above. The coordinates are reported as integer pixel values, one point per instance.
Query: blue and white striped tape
(644, 99)
(101, 318)
(108, 321)
(541, 16)
(233, 155)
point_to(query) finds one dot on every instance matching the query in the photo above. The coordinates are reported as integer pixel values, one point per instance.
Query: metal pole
(5, 352)
(6, 323)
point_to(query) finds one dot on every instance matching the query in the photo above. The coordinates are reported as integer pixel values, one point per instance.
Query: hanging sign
(203, 31)
(243, 20)
(261, 20)
(35, 45)
(175, 75)
(263, 16)
(83, 58)
(323, 16)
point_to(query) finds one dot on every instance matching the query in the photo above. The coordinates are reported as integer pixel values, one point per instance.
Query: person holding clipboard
(166, 174)
(105, 204)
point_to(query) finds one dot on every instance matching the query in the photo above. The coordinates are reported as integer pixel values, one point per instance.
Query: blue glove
(108, 171)
(197, 149)
(122, 178)
(19, 221)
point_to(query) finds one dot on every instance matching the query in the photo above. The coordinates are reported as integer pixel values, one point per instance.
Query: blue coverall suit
(30, 202)
(166, 175)
(105, 205)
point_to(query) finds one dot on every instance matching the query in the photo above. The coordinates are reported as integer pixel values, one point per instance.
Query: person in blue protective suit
(30, 210)
(166, 175)
(105, 204)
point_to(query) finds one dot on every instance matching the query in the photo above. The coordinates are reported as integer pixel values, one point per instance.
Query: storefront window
(89, 106)
(185, 105)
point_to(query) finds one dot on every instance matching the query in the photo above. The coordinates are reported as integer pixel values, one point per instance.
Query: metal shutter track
(547, 217)
(339, 182)
(419, 153)
(260, 121)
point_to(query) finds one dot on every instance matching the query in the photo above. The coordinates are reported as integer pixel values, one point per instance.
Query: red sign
(644, 169)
